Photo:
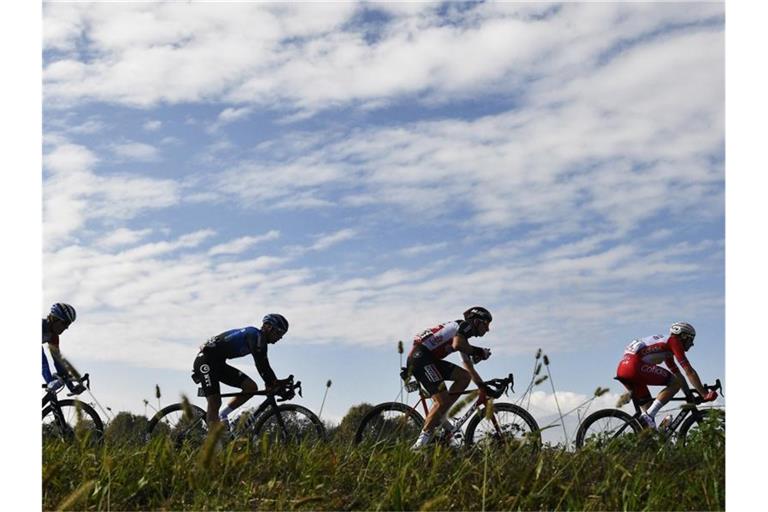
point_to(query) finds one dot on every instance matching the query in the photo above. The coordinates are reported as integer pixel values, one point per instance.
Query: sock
(225, 412)
(654, 408)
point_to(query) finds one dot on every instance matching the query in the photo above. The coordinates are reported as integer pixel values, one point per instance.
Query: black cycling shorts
(208, 370)
(430, 371)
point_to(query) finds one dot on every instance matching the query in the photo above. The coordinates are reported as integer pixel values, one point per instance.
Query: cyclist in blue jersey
(58, 320)
(210, 365)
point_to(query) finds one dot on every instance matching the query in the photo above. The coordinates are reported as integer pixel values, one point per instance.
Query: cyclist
(640, 368)
(425, 362)
(58, 320)
(210, 365)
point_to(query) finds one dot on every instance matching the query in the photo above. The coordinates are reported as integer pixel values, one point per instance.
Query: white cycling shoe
(648, 421)
(422, 441)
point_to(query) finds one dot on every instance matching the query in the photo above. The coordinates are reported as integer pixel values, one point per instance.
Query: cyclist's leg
(629, 374)
(231, 376)
(672, 385)
(445, 398)
(427, 372)
(203, 368)
(655, 375)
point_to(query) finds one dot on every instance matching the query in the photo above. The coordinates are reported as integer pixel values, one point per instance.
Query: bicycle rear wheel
(290, 424)
(180, 426)
(389, 423)
(606, 427)
(77, 418)
(507, 425)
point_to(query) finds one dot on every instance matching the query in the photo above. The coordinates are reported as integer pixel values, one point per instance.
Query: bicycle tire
(376, 428)
(173, 422)
(522, 431)
(621, 419)
(303, 425)
(699, 417)
(69, 413)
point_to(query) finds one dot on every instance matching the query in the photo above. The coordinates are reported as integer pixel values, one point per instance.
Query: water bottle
(664, 424)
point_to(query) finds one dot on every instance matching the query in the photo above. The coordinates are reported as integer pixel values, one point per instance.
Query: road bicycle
(607, 426)
(283, 423)
(62, 419)
(390, 423)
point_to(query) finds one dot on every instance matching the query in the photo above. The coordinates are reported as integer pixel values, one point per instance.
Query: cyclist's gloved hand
(710, 396)
(55, 384)
(76, 388)
(480, 354)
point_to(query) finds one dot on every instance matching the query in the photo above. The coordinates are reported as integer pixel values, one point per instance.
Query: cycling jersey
(657, 349)
(238, 343)
(439, 339)
(52, 339)
(640, 368)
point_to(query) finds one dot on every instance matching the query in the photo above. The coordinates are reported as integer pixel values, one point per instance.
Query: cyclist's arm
(46, 369)
(460, 344)
(259, 351)
(677, 349)
(58, 362)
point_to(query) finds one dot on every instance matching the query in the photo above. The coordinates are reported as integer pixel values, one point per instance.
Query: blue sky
(372, 170)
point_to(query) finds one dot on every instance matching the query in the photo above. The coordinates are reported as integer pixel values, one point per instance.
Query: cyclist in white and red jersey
(640, 368)
(425, 361)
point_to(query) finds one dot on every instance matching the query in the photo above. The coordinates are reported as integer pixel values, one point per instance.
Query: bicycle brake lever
(719, 387)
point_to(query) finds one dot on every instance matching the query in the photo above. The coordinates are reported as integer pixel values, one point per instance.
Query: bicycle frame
(481, 400)
(51, 397)
(269, 403)
(689, 408)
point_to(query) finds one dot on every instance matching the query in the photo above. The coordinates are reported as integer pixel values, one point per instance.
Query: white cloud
(241, 244)
(315, 56)
(327, 240)
(136, 151)
(152, 125)
(123, 236)
(74, 194)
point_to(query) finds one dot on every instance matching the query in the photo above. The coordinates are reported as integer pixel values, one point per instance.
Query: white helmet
(683, 329)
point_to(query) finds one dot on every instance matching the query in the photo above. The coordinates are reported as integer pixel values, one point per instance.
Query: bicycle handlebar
(85, 380)
(501, 386)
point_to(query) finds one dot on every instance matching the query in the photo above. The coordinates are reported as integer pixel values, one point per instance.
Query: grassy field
(244, 475)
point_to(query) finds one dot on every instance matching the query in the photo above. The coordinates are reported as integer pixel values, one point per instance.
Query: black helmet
(276, 320)
(63, 312)
(478, 312)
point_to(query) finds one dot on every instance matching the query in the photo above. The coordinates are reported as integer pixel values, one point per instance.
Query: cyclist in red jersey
(640, 368)
(425, 362)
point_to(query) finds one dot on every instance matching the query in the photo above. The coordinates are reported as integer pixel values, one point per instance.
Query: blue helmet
(64, 312)
(276, 320)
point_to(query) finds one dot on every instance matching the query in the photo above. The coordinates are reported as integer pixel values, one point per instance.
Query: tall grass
(245, 475)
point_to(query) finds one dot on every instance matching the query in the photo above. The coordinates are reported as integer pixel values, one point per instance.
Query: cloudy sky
(370, 170)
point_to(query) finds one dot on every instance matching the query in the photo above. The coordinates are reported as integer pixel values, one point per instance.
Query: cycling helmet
(683, 329)
(276, 320)
(478, 312)
(64, 312)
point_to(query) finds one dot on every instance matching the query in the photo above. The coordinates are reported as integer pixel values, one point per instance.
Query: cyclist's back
(439, 339)
(235, 343)
(658, 349)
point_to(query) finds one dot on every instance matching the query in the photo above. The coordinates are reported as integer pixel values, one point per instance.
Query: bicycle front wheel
(179, 425)
(606, 427)
(389, 423)
(77, 418)
(506, 425)
(706, 426)
(290, 424)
